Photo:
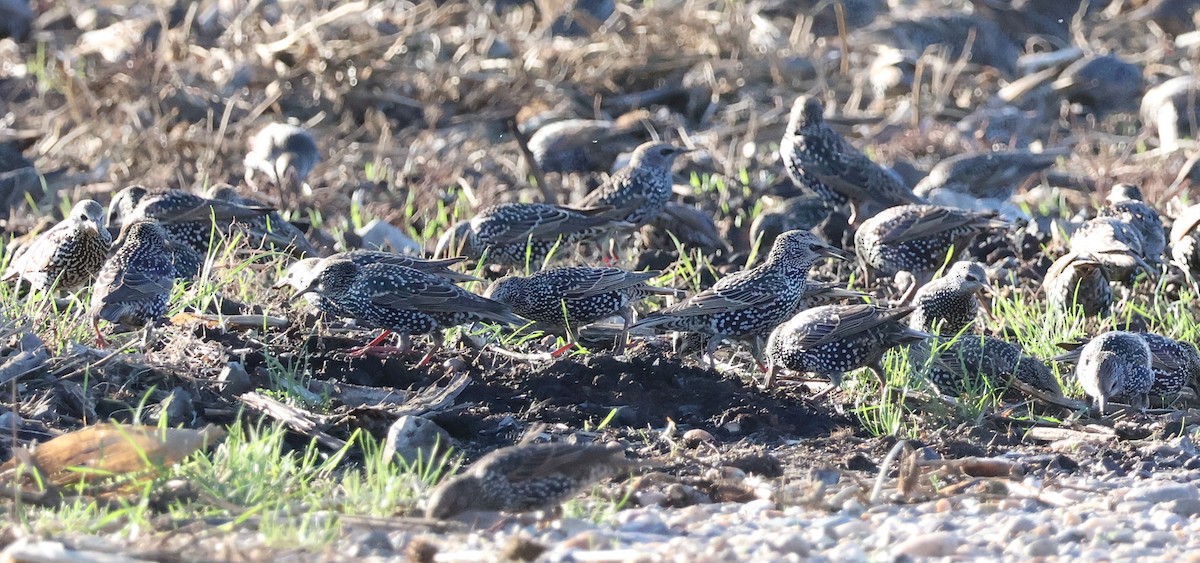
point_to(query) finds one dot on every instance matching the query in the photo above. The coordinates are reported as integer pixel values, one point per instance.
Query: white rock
(411, 438)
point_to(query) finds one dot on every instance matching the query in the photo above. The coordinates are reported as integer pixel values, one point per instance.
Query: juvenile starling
(583, 145)
(1171, 108)
(520, 234)
(1185, 241)
(835, 339)
(1175, 363)
(401, 300)
(801, 213)
(1115, 244)
(267, 229)
(947, 305)
(1101, 84)
(981, 181)
(191, 222)
(1116, 364)
(567, 298)
(68, 255)
(810, 149)
(918, 238)
(750, 302)
(134, 285)
(282, 156)
(967, 361)
(527, 477)
(1125, 203)
(639, 192)
(1077, 280)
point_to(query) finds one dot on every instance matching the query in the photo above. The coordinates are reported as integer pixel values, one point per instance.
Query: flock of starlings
(165, 235)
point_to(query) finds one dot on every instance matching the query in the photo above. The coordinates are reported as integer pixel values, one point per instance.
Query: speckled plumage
(1101, 84)
(753, 301)
(947, 305)
(1116, 364)
(917, 238)
(68, 255)
(1126, 204)
(510, 233)
(134, 285)
(1176, 364)
(301, 273)
(639, 192)
(986, 176)
(401, 299)
(1077, 280)
(1115, 244)
(835, 339)
(188, 219)
(811, 150)
(965, 362)
(587, 294)
(800, 213)
(526, 477)
(269, 229)
(281, 155)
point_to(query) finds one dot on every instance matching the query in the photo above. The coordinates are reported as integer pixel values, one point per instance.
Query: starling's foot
(428, 357)
(559, 352)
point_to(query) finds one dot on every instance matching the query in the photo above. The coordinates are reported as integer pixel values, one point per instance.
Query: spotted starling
(1077, 280)
(1115, 244)
(191, 222)
(1175, 363)
(527, 477)
(300, 274)
(282, 156)
(750, 302)
(523, 234)
(402, 300)
(963, 363)
(1125, 203)
(919, 238)
(582, 145)
(1101, 84)
(809, 148)
(639, 192)
(134, 285)
(566, 298)
(835, 339)
(796, 213)
(68, 255)
(981, 181)
(1185, 241)
(268, 229)
(1116, 364)
(947, 305)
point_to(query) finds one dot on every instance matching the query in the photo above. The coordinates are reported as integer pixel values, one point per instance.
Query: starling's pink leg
(563, 350)
(363, 351)
(437, 347)
(100, 341)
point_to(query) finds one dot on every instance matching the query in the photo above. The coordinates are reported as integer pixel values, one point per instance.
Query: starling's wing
(733, 293)
(542, 460)
(858, 174)
(397, 287)
(31, 257)
(182, 207)
(539, 222)
(933, 220)
(849, 321)
(597, 281)
(1167, 354)
(136, 284)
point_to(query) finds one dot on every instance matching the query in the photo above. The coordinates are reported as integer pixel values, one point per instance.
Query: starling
(1077, 280)
(750, 302)
(1115, 244)
(68, 255)
(566, 298)
(283, 155)
(300, 274)
(1185, 241)
(191, 222)
(639, 192)
(527, 477)
(1116, 364)
(811, 150)
(919, 238)
(523, 234)
(134, 285)
(1125, 203)
(583, 145)
(402, 300)
(1101, 84)
(801, 213)
(948, 305)
(835, 339)
(965, 362)
(267, 229)
(981, 181)
(1172, 108)
(1175, 363)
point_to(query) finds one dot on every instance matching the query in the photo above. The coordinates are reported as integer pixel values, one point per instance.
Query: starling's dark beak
(298, 294)
(835, 252)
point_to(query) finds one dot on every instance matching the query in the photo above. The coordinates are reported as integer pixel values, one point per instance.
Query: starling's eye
(83, 217)
(813, 247)
(666, 151)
